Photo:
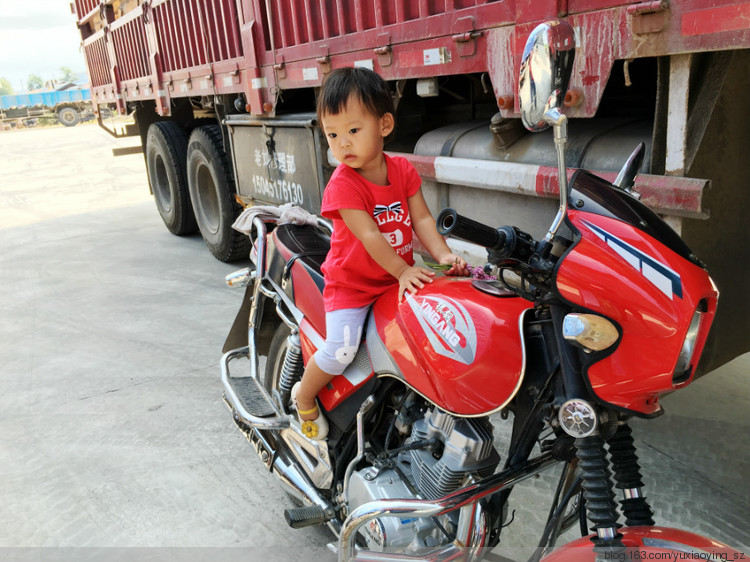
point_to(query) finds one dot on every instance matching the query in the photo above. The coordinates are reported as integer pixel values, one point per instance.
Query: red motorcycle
(578, 333)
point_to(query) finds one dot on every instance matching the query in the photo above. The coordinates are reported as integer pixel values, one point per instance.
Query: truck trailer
(67, 105)
(222, 94)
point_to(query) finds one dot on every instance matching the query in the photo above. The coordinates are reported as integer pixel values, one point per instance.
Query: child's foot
(312, 422)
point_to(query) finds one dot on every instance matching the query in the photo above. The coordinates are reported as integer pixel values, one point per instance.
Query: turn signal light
(592, 332)
(240, 278)
(688, 346)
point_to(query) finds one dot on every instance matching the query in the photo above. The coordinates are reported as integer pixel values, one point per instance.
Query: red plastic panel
(650, 292)
(650, 543)
(457, 346)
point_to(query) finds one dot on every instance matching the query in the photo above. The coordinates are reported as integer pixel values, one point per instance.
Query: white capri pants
(343, 334)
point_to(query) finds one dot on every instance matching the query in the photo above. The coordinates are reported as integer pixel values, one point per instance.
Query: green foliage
(34, 82)
(66, 74)
(5, 86)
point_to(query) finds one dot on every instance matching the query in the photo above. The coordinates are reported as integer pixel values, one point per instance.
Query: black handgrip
(450, 222)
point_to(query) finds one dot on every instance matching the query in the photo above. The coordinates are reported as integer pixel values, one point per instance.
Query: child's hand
(458, 265)
(412, 279)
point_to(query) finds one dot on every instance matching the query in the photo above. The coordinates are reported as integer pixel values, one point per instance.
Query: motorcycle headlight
(688, 346)
(592, 332)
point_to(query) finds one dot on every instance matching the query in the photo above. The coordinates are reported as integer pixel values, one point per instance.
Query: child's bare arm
(426, 231)
(364, 228)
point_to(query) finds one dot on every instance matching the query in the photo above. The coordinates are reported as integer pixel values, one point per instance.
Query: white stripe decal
(660, 275)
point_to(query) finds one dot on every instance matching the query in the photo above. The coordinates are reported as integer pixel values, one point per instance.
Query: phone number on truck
(279, 190)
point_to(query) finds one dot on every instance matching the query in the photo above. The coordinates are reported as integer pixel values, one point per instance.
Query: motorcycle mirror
(546, 67)
(626, 178)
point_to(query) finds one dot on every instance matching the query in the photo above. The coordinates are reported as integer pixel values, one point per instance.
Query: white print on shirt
(383, 214)
(405, 250)
(393, 213)
(395, 238)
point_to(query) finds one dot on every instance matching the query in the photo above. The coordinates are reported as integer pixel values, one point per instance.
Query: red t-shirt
(353, 278)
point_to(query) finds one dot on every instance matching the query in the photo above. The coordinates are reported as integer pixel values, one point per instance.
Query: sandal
(316, 429)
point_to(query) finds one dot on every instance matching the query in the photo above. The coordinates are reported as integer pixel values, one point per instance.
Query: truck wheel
(166, 152)
(212, 192)
(68, 116)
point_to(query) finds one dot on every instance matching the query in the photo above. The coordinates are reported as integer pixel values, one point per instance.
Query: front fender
(650, 543)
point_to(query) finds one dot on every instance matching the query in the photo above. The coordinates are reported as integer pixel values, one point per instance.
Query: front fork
(580, 419)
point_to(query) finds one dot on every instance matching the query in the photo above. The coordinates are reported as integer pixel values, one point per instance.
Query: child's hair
(368, 86)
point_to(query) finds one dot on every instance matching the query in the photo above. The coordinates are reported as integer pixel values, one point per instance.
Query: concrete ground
(113, 433)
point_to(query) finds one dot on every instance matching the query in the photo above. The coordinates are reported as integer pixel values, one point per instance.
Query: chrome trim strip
(631, 493)
(682, 547)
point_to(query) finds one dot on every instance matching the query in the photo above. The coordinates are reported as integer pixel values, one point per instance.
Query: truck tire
(68, 116)
(212, 192)
(166, 153)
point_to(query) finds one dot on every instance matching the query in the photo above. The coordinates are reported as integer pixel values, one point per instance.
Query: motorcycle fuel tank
(456, 345)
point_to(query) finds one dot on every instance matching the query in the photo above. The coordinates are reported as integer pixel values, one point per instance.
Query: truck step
(253, 397)
(305, 516)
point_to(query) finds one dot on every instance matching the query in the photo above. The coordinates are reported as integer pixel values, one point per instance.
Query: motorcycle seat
(306, 245)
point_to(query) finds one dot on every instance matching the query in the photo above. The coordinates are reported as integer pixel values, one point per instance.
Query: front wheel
(68, 116)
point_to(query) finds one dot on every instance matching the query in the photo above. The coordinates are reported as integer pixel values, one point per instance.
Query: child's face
(356, 136)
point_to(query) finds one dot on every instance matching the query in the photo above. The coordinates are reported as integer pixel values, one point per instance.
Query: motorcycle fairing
(650, 543)
(592, 194)
(618, 270)
(455, 345)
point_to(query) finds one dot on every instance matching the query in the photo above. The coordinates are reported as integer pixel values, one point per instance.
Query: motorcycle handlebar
(450, 222)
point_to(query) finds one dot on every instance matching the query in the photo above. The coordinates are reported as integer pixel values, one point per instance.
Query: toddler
(375, 202)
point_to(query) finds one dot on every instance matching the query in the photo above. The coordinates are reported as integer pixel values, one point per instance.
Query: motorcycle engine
(454, 449)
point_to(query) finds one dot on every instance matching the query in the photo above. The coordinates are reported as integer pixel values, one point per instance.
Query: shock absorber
(627, 473)
(597, 490)
(291, 369)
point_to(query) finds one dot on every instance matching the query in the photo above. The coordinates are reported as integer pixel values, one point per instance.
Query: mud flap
(238, 336)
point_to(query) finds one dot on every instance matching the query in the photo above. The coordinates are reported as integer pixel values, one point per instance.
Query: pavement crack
(113, 390)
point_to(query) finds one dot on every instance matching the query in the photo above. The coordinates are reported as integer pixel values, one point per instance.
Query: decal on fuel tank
(447, 325)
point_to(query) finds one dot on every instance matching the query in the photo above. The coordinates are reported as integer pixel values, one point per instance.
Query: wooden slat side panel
(98, 63)
(131, 49)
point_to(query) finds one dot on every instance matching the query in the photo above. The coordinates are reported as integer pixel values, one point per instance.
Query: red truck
(222, 93)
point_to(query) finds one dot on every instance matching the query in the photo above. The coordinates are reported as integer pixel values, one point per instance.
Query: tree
(34, 82)
(67, 75)
(5, 87)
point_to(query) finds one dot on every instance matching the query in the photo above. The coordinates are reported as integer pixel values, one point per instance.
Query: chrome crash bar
(472, 529)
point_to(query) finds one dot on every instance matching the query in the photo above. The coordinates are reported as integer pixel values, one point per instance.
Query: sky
(38, 37)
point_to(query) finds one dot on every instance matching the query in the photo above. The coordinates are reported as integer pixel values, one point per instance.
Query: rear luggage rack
(249, 401)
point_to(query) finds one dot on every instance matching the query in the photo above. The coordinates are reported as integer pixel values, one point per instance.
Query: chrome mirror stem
(559, 124)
